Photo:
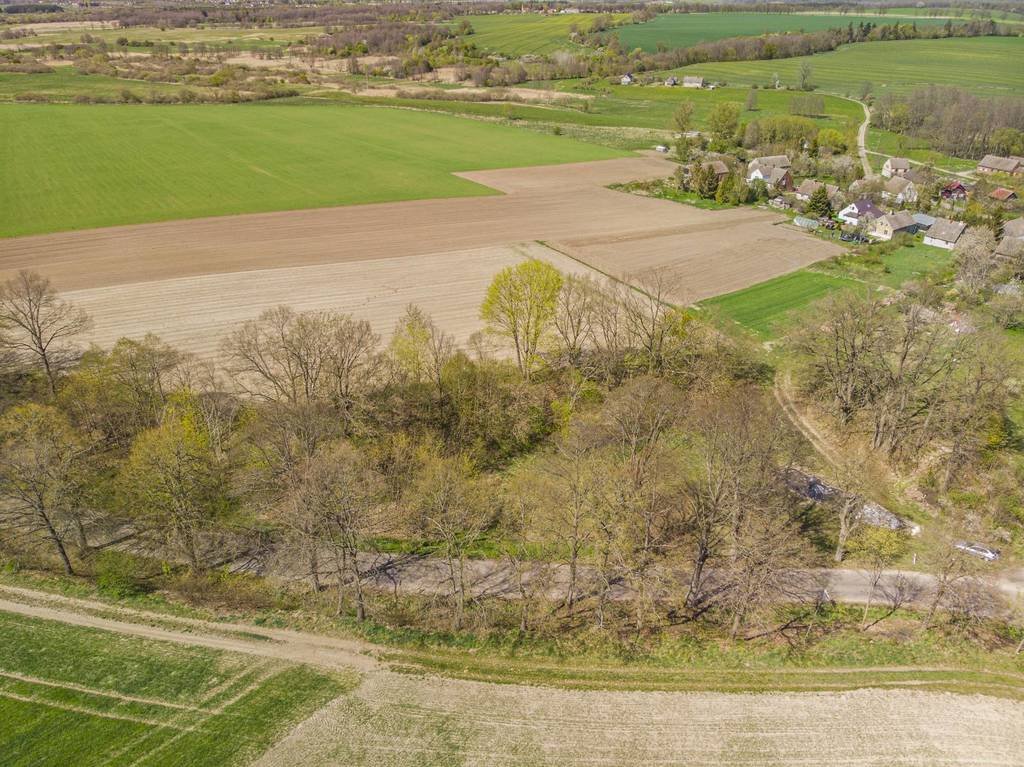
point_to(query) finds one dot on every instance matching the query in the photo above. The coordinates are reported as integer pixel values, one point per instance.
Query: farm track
(396, 719)
(190, 281)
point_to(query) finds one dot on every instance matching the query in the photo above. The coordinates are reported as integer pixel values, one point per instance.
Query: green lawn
(83, 697)
(66, 166)
(985, 65)
(66, 82)
(768, 307)
(522, 33)
(681, 30)
(899, 145)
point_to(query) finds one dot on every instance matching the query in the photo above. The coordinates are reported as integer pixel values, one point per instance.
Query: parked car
(977, 550)
(661, 148)
(852, 237)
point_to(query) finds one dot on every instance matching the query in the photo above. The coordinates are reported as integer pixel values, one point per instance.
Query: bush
(118, 574)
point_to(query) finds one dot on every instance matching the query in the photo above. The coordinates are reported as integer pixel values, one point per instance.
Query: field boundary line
(89, 711)
(97, 692)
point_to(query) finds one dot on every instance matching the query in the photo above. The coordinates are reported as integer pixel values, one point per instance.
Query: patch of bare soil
(398, 720)
(566, 205)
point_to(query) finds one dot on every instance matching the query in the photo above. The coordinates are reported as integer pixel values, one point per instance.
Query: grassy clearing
(519, 34)
(256, 157)
(71, 695)
(241, 38)
(766, 309)
(982, 64)
(680, 30)
(66, 82)
(899, 145)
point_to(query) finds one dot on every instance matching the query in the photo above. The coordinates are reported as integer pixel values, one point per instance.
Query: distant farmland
(986, 65)
(65, 166)
(680, 30)
(518, 34)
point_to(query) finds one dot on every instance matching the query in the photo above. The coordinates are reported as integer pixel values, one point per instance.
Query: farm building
(626, 79)
(692, 81)
(900, 190)
(671, 82)
(862, 209)
(720, 168)
(895, 166)
(923, 221)
(1014, 227)
(944, 233)
(887, 227)
(992, 163)
(1002, 194)
(954, 190)
(1010, 248)
(809, 186)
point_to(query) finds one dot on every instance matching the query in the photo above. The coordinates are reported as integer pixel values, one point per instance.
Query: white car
(977, 550)
(661, 148)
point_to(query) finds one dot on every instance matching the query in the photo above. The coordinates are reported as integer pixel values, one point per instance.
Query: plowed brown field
(191, 280)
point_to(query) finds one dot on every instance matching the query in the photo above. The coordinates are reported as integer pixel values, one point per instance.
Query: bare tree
(35, 323)
(976, 261)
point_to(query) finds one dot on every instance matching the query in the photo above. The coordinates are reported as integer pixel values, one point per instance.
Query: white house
(692, 81)
(862, 209)
(773, 170)
(944, 233)
(895, 166)
(626, 79)
(900, 190)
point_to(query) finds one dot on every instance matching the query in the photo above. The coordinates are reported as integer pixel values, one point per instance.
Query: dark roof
(864, 207)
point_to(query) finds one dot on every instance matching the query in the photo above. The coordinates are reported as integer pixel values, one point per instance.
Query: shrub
(118, 574)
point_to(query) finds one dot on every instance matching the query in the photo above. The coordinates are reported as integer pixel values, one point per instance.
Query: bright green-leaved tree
(520, 306)
(173, 484)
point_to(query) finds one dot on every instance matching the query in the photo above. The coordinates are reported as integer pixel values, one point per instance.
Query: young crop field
(985, 65)
(66, 82)
(680, 30)
(211, 160)
(766, 309)
(243, 38)
(900, 145)
(78, 696)
(519, 34)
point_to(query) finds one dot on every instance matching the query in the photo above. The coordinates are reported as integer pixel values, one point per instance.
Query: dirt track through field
(182, 264)
(394, 720)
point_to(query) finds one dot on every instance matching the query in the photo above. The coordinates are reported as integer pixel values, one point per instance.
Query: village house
(1001, 194)
(692, 81)
(1011, 246)
(954, 191)
(773, 170)
(858, 211)
(923, 221)
(809, 186)
(671, 82)
(944, 233)
(992, 163)
(887, 227)
(900, 190)
(720, 168)
(626, 79)
(896, 166)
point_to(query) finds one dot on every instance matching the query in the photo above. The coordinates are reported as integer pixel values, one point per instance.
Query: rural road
(862, 139)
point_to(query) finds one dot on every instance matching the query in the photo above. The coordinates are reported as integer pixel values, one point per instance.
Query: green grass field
(985, 65)
(64, 83)
(519, 34)
(899, 145)
(680, 30)
(83, 697)
(191, 161)
(241, 38)
(766, 309)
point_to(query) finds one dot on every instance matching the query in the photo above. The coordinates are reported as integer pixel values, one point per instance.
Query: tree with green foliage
(819, 204)
(704, 180)
(682, 118)
(520, 305)
(876, 549)
(805, 76)
(723, 122)
(42, 476)
(751, 105)
(831, 140)
(173, 484)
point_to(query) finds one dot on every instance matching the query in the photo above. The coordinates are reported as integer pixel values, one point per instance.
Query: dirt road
(394, 720)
